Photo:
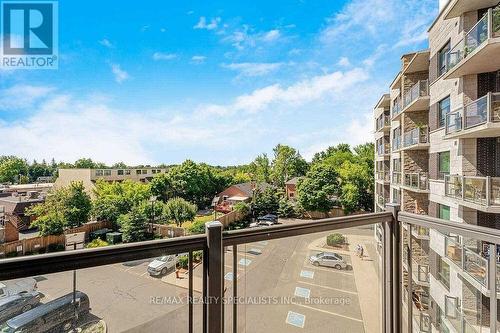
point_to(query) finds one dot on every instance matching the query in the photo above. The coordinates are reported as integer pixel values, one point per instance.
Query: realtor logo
(29, 34)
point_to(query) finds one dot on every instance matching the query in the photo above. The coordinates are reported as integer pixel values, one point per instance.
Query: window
(127, 172)
(120, 172)
(98, 172)
(138, 172)
(444, 164)
(444, 273)
(107, 172)
(444, 212)
(442, 59)
(443, 109)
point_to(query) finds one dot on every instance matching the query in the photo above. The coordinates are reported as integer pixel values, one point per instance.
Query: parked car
(262, 223)
(328, 259)
(57, 315)
(14, 287)
(160, 266)
(268, 217)
(14, 305)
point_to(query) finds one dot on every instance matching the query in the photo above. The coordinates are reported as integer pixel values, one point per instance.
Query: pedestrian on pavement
(361, 250)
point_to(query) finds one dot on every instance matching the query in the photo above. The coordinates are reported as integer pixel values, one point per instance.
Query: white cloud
(198, 59)
(271, 36)
(212, 25)
(252, 68)
(164, 56)
(297, 94)
(106, 43)
(119, 73)
(23, 96)
(344, 62)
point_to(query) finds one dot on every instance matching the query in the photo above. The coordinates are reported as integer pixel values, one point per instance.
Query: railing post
(392, 272)
(214, 276)
(489, 191)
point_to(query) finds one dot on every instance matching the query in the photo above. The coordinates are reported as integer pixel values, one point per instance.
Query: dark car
(269, 217)
(58, 315)
(14, 305)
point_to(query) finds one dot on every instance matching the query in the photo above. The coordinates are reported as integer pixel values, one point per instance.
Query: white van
(14, 287)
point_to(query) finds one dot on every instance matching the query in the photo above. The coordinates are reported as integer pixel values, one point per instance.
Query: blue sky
(213, 81)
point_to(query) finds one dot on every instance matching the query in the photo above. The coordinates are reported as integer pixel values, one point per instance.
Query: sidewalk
(183, 281)
(367, 283)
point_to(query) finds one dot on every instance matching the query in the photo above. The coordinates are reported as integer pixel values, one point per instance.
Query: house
(291, 188)
(14, 209)
(89, 176)
(243, 192)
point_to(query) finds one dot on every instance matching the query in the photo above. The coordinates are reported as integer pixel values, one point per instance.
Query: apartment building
(444, 161)
(89, 176)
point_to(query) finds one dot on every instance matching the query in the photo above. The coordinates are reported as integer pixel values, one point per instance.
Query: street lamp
(152, 199)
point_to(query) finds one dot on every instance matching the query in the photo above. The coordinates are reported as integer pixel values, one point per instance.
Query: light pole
(152, 199)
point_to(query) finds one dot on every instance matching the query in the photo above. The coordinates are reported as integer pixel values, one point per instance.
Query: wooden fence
(42, 243)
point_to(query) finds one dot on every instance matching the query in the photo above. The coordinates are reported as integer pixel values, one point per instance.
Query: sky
(220, 82)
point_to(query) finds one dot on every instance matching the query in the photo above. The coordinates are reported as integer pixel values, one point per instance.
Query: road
(129, 300)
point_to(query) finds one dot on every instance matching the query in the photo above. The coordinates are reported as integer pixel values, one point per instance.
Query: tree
(242, 208)
(267, 201)
(37, 170)
(114, 199)
(357, 182)
(180, 211)
(133, 225)
(67, 207)
(87, 163)
(261, 169)
(287, 163)
(286, 208)
(12, 169)
(318, 190)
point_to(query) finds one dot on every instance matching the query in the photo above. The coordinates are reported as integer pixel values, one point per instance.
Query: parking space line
(231, 267)
(328, 312)
(328, 270)
(329, 288)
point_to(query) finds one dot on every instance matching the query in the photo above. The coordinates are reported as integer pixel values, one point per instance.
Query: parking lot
(278, 290)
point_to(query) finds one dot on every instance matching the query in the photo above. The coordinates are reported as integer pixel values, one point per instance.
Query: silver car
(160, 266)
(328, 259)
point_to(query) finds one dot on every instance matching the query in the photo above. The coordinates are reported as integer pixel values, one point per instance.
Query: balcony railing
(417, 181)
(482, 111)
(396, 143)
(383, 176)
(487, 27)
(381, 200)
(471, 263)
(416, 136)
(112, 280)
(396, 178)
(383, 121)
(419, 89)
(396, 106)
(384, 149)
(482, 191)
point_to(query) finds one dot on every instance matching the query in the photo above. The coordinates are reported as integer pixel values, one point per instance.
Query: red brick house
(291, 188)
(243, 192)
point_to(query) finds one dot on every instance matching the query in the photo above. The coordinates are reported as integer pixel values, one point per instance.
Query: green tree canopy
(287, 163)
(318, 190)
(267, 201)
(67, 207)
(133, 225)
(13, 169)
(180, 211)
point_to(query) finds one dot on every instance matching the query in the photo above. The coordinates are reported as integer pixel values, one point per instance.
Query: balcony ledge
(469, 204)
(486, 130)
(458, 7)
(418, 146)
(413, 189)
(420, 104)
(482, 60)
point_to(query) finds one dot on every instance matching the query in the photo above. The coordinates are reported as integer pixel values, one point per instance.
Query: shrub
(286, 208)
(182, 261)
(55, 247)
(197, 227)
(335, 239)
(242, 208)
(96, 243)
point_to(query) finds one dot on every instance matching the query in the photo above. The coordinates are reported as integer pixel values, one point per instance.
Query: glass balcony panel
(475, 265)
(495, 104)
(453, 186)
(287, 284)
(453, 122)
(418, 181)
(475, 190)
(419, 89)
(148, 295)
(416, 136)
(455, 55)
(476, 36)
(454, 251)
(396, 178)
(495, 191)
(476, 113)
(496, 22)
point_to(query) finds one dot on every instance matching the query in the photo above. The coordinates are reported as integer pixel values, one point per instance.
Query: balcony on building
(383, 148)
(478, 51)
(396, 178)
(417, 97)
(396, 107)
(383, 177)
(480, 118)
(383, 123)
(381, 201)
(416, 182)
(481, 193)
(416, 139)
(457, 8)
